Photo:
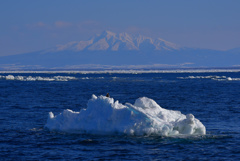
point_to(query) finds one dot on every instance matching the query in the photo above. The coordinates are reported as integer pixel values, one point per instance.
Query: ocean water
(27, 98)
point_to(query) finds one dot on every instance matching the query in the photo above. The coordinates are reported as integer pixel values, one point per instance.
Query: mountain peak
(107, 33)
(108, 40)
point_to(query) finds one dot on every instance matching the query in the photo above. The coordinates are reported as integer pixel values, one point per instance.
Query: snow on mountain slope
(118, 42)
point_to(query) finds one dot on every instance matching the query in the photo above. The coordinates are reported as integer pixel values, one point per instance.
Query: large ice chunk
(103, 115)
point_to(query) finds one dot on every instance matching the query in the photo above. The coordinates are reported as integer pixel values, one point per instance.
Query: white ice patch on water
(233, 79)
(38, 78)
(204, 77)
(213, 77)
(103, 115)
(9, 77)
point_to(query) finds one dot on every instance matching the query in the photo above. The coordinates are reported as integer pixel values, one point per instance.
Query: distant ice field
(131, 71)
(12, 77)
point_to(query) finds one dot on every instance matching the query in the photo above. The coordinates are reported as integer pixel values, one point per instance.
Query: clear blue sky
(29, 25)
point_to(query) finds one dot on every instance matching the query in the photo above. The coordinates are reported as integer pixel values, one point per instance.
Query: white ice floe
(9, 77)
(103, 115)
(204, 77)
(233, 79)
(38, 78)
(213, 77)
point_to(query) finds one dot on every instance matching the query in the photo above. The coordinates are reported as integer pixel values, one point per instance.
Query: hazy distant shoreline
(125, 71)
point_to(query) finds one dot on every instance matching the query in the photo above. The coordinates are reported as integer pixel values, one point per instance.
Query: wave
(103, 115)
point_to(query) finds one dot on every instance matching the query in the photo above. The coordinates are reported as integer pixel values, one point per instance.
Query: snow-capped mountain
(118, 42)
(116, 51)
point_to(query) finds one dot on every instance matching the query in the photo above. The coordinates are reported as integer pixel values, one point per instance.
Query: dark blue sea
(27, 98)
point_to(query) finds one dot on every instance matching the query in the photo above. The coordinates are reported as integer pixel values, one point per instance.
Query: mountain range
(109, 50)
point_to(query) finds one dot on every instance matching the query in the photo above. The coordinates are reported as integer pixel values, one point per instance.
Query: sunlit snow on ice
(103, 115)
